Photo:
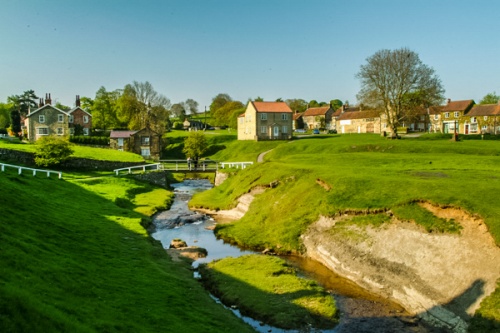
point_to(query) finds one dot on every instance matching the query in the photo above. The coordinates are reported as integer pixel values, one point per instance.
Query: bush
(90, 140)
(52, 151)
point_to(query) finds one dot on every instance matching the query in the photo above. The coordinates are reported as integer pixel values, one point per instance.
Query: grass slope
(75, 258)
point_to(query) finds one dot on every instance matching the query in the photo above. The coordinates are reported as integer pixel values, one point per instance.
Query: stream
(361, 311)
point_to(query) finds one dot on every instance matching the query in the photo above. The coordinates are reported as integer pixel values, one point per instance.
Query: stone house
(452, 113)
(348, 119)
(298, 121)
(46, 120)
(144, 142)
(79, 118)
(482, 119)
(266, 121)
(320, 117)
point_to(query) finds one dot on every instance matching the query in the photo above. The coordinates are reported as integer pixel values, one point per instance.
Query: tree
(4, 115)
(336, 103)
(191, 106)
(24, 102)
(195, 145)
(179, 111)
(397, 83)
(224, 115)
(259, 99)
(221, 116)
(104, 114)
(298, 105)
(15, 122)
(219, 101)
(52, 151)
(491, 98)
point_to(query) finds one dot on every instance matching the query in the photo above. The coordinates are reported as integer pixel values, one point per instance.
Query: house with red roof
(451, 115)
(80, 120)
(482, 119)
(319, 117)
(266, 121)
(356, 120)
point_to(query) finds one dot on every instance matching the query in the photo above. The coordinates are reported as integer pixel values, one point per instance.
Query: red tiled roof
(297, 115)
(271, 107)
(321, 111)
(484, 110)
(457, 105)
(121, 134)
(359, 114)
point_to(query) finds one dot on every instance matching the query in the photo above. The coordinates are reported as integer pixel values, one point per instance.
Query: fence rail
(143, 168)
(21, 168)
(237, 165)
(183, 166)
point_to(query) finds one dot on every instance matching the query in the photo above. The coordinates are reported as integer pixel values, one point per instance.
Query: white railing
(21, 168)
(237, 165)
(143, 168)
(189, 165)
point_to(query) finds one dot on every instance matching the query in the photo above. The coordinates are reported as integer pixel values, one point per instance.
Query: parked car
(300, 130)
(316, 131)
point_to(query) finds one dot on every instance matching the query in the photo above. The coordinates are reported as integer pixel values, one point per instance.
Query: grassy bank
(267, 289)
(75, 258)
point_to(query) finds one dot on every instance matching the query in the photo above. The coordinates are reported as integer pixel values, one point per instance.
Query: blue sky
(310, 49)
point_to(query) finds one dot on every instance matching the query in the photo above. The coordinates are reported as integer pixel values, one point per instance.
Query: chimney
(40, 102)
(47, 99)
(449, 100)
(77, 103)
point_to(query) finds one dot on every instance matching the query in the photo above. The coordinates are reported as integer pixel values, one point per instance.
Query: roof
(297, 115)
(46, 106)
(359, 114)
(457, 105)
(484, 110)
(79, 108)
(321, 111)
(271, 107)
(121, 134)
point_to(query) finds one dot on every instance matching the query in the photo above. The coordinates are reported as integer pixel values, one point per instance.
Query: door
(466, 128)
(276, 131)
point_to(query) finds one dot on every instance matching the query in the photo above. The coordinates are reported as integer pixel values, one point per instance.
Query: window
(436, 117)
(85, 131)
(263, 129)
(447, 115)
(60, 118)
(86, 119)
(473, 128)
(473, 120)
(42, 131)
(284, 129)
(485, 118)
(120, 142)
(484, 128)
(70, 119)
(456, 114)
(422, 117)
(60, 131)
(284, 116)
(145, 152)
(72, 131)
(41, 119)
(263, 116)
(145, 140)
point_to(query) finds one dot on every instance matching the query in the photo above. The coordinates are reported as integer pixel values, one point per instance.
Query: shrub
(52, 151)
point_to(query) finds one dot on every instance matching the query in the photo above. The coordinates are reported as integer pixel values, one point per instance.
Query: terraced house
(482, 119)
(320, 117)
(50, 120)
(265, 121)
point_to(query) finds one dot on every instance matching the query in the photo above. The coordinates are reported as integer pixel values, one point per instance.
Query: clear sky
(309, 49)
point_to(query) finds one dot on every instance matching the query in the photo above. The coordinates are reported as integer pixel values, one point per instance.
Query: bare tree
(398, 83)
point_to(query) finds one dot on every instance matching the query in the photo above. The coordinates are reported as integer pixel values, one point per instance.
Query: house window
(447, 115)
(473, 120)
(436, 117)
(284, 129)
(263, 129)
(71, 119)
(120, 142)
(422, 117)
(456, 114)
(284, 116)
(42, 131)
(473, 128)
(60, 131)
(60, 118)
(484, 128)
(145, 152)
(263, 116)
(86, 119)
(485, 118)
(145, 140)
(41, 119)
(85, 131)
(72, 131)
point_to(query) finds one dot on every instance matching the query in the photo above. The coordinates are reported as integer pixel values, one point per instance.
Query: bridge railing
(20, 170)
(190, 165)
(143, 168)
(237, 165)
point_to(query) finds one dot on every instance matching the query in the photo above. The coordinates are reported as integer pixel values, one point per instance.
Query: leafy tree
(224, 115)
(221, 115)
(336, 103)
(279, 99)
(179, 111)
(104, 115)
(5, 115)
(299, 105)
(24, 102)
(15, 122)
(491, 98)
(219, 101)
(191, 106)
(398, 83)
(259, 99)
(195, 145)
(62, 107)
(313, 104)
(87, 104)
(52, 151)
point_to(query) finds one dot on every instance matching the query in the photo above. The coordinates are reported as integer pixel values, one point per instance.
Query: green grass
(75, 258)
(267, 289)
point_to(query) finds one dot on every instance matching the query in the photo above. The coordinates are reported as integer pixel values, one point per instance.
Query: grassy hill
(75, 258)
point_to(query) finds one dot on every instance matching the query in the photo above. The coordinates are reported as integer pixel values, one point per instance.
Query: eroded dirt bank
(442, 278)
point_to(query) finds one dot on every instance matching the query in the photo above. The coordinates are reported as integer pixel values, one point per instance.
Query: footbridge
(183, 166)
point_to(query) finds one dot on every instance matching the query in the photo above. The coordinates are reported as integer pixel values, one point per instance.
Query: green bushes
(90, 140)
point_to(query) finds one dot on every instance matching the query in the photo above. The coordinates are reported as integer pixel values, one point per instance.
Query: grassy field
(265, 288)
(329, 175)
(74, 257)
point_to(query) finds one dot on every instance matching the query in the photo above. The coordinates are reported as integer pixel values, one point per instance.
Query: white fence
(143, 168)
(20, 170)
(237, 165)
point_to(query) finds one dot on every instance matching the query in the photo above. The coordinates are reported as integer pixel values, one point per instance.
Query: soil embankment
(440, 277)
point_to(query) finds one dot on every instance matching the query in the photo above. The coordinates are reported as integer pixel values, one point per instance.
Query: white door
(276, 131)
